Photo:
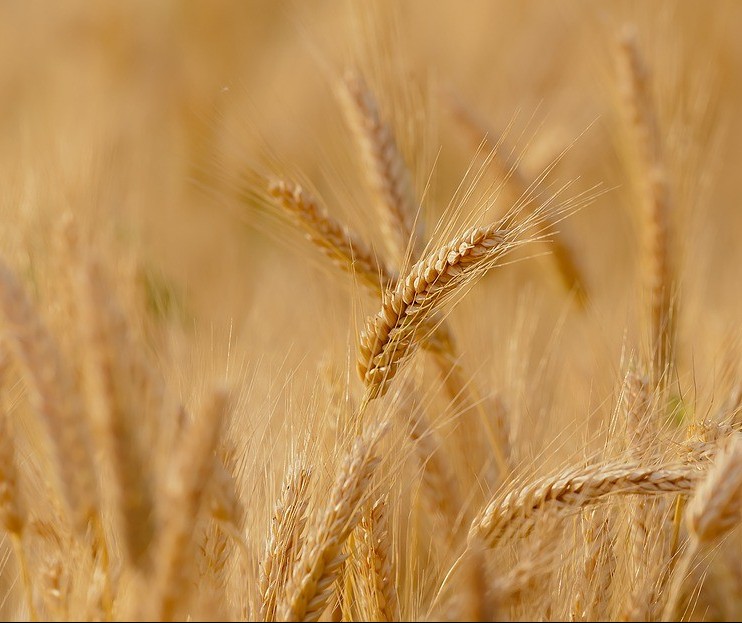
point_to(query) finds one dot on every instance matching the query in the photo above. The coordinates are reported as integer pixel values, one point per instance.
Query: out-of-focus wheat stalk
(658, 271)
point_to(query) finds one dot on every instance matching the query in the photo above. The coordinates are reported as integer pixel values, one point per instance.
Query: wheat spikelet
(114, 409)
(337, 242)
(318, 568)
(53, 397)
(635, 83)
(284, 539)
(575, 489)
(384, 165)
(375, 537)
(185, 497)
(640, 427)
(393, 333)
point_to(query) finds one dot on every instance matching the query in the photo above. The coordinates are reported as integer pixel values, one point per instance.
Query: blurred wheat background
(370, 311)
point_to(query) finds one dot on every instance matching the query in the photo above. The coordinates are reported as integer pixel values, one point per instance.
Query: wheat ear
(635, 84)
(574, 489)
(394, 332)
(337, 242)
(315, 573)
(714, 510)
(284, 539)
(12, 509)
(53, 397)
(185, 497)
(107, 345)
(387, 172)
(377, 547)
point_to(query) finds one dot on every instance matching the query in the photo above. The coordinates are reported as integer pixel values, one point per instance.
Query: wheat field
(370, 311)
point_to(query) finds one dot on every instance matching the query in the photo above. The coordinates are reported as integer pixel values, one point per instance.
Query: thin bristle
(570, 273)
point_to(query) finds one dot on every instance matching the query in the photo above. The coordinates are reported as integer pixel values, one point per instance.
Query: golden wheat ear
(318, 568)
(285, 539)
(395, 332)
(341, 246)
(54, 398)
(657, 205)
(184, 498)
(388, 174)
(575, 489)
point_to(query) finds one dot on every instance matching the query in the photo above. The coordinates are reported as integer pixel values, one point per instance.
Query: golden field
(370, 311)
